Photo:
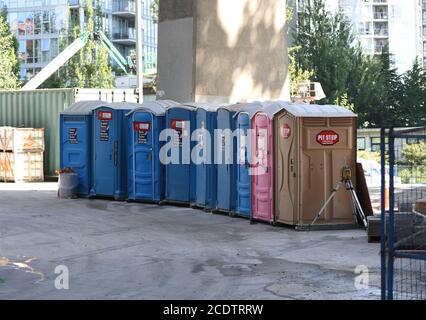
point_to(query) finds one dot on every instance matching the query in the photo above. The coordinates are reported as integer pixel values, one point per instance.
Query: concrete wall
(223, 51)
(175, 44)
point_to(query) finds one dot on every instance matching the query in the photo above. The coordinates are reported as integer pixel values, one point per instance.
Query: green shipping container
(41, 109)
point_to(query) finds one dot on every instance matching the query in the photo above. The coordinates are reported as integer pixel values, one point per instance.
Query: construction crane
(127, 64)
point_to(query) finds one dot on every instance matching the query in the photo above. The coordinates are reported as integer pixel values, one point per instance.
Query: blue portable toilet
(109, 144)
(145, 170)
(76, 142)
(243, 179)
(180, 174)
(225, 151)
(205, 167)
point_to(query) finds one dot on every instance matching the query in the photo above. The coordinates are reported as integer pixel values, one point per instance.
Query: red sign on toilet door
(285, 131)
(328, 138)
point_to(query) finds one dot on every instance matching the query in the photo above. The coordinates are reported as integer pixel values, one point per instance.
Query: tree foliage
(9, 63)
(415, 154)
(90, 67)
(155, 8)
(412, 99)
(325, 48)
(370, 85)
(297, 74)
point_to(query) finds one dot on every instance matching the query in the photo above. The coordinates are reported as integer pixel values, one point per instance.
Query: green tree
(366, 89)
(412, 99)
(54, 81)
(297, 74)
(9, 63)
(415, 154)
(325, 42)
(369, 85)
(155, 8)
(3, 12)
(375, 89)
(90, 68)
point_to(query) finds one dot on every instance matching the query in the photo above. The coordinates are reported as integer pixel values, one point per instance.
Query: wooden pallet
(6, 139)
(21, 167)
(21, 139)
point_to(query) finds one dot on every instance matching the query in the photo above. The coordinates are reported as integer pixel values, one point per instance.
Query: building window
(22, 73)
(375, 144)
(360, 143)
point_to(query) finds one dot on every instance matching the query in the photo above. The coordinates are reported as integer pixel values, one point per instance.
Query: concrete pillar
(222, 50)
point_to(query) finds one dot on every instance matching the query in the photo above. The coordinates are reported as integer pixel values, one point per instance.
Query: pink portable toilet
(262, 179)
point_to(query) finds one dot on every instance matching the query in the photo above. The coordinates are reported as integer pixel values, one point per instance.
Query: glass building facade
(42, 27)
(424, 31)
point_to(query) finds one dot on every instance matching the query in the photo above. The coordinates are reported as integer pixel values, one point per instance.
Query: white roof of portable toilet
(209, 107)
(251, 108)
(158, 108)
(183, 106)
(270, 108)
(84, 107)
(312, 110)
(237, 107)
(123, 105)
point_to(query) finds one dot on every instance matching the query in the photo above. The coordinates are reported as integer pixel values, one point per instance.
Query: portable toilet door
(145, 170)
(205, 168)
(75, 145)
(180, 174)
(314, 143)
(243, 176)
(262, 155)
(225, 157)
(109, 177)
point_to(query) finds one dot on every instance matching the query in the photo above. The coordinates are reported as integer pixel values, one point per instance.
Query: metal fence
(403, 227)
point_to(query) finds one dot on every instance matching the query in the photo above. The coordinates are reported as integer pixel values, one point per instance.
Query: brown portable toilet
(313, 144)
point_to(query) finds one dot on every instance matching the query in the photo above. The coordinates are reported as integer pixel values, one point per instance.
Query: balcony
(125, 37)
(381, 32)
(124, 9)
(382, 47)
(380, 16)
(74, 3)
(379, 49)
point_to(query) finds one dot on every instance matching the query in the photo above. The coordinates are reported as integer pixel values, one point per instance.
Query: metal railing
(124, 6)
(380, 16)
(381, 32)
(129, 34)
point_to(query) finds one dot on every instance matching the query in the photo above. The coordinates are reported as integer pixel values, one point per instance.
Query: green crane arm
(126, 64)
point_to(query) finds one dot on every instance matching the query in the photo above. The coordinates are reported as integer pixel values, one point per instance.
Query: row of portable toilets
(283, 171)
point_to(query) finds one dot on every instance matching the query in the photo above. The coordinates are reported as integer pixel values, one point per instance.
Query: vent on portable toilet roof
(340, 122)
(314, 122)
